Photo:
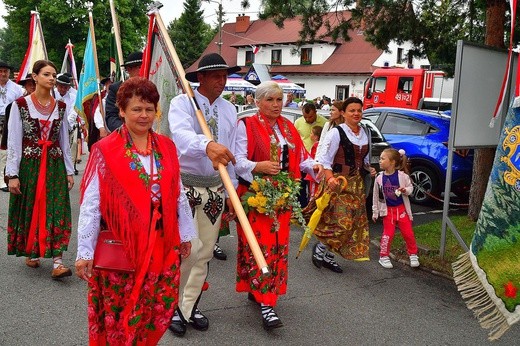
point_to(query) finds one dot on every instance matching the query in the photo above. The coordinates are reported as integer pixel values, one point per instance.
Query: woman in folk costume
(343, 226)
(40, 169)
(257, 135)
(132, 188)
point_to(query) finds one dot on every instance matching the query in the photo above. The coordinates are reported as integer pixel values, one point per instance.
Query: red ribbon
(39, 214)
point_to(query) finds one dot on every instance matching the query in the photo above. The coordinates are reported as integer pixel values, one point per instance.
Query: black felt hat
(63, 79)
(211, 62)
(134, 59)
(3, 64)
(28, 77)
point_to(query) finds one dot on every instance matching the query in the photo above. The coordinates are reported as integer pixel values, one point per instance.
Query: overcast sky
(172, 10)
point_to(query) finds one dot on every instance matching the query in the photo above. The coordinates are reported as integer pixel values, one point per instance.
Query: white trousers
(194, 269)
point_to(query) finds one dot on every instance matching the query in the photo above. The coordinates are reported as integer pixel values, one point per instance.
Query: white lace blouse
(90, 216)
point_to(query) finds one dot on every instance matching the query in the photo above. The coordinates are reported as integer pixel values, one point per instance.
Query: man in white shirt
(9, 91)
(199, 159)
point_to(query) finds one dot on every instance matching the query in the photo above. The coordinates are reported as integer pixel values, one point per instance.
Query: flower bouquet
(273, 194)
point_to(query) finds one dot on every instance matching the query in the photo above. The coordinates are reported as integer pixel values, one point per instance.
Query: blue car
(424, 137)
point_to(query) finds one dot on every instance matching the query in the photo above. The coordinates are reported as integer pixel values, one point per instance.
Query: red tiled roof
(353, 57)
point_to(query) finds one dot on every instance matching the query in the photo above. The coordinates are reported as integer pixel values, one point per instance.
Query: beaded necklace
(133, 153)
(43, 109)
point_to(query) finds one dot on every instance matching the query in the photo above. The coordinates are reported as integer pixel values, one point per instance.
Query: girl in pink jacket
(390, 201)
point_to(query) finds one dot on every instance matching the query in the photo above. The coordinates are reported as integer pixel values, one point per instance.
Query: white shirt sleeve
(89, 220)
(329, 149)
(98, 118)
(244, 167)
(65, 148)
(14, 141)
(182, 128)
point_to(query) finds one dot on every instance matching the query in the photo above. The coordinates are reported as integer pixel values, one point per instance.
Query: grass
(428, 237)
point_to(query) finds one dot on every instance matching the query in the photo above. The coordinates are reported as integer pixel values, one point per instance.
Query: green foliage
(64, 20)
(190, 34)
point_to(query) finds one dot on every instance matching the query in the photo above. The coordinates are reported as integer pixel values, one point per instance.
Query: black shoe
(219, 254)
(5, 189)
(76, 172)
(270, 319)
(178, 325)
(329, 263)
(251, 297)
(198, 320)
(317, 260)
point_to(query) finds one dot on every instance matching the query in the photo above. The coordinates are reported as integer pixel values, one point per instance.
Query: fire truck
(408, 88)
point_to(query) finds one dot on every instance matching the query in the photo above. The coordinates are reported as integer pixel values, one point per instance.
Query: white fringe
(477, 299)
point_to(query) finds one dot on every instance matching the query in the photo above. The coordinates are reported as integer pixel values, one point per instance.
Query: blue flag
(88, 85)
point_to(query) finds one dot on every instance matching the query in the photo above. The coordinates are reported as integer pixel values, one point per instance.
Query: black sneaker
(218, 253)
(317, 260)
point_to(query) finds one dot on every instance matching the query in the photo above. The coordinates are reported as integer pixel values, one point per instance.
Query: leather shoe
(178, 325)
(61, 272)
(5, 189)
(219, 254)
(32, 264)
(198, 320)
(331, 264)
(316, 259)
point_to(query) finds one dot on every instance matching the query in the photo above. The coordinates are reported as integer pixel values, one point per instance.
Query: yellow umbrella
(321, 203)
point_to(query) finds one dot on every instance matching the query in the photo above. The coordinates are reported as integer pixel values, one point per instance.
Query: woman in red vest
(132, 192)
(268, 145)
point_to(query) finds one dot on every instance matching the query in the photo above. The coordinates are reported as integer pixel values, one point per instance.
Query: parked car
(424, 137)
(379, 142)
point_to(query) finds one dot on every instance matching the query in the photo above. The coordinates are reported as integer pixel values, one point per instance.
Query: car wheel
(425, 184)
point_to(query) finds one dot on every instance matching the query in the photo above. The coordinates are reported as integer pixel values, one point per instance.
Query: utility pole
(220, 14)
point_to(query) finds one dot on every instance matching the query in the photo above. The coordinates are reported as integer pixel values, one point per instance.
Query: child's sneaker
(385, 262)
(414, 261)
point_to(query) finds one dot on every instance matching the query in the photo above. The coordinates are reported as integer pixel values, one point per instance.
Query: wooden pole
(242, 217)
(117, 34)
(94, 50)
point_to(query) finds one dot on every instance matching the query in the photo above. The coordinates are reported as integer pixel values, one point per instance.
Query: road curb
(421, 267)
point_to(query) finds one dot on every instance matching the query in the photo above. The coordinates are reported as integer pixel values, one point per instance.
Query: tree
(432, 26)
(64, 20)
(190, 34)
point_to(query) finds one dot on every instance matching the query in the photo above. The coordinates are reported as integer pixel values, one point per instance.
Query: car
(424, 137)
(379, 142)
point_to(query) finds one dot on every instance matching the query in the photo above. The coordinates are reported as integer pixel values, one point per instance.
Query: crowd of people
(151, 206)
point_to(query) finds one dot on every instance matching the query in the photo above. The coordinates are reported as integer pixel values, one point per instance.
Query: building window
(400, 52)
(342, 92)
(306, 56)
(276, 57)
(250, 58)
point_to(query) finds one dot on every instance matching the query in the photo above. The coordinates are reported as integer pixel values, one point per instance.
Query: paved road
(366, 305)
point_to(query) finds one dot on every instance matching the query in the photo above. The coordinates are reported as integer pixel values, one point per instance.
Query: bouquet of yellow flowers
(273, 194)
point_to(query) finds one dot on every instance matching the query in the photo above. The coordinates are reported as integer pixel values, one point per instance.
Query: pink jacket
(379, 204)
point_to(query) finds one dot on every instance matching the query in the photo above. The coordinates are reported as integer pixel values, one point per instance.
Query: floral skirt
(343, 226)
(58, 216)
(275, 248)
(150, 315)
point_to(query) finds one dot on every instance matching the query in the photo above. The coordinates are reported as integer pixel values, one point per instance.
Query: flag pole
(117, 34)
(242, 217)
(93, 38)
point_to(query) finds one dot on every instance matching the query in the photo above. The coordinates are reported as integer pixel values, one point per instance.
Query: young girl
(391, 202)
(315, 137)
